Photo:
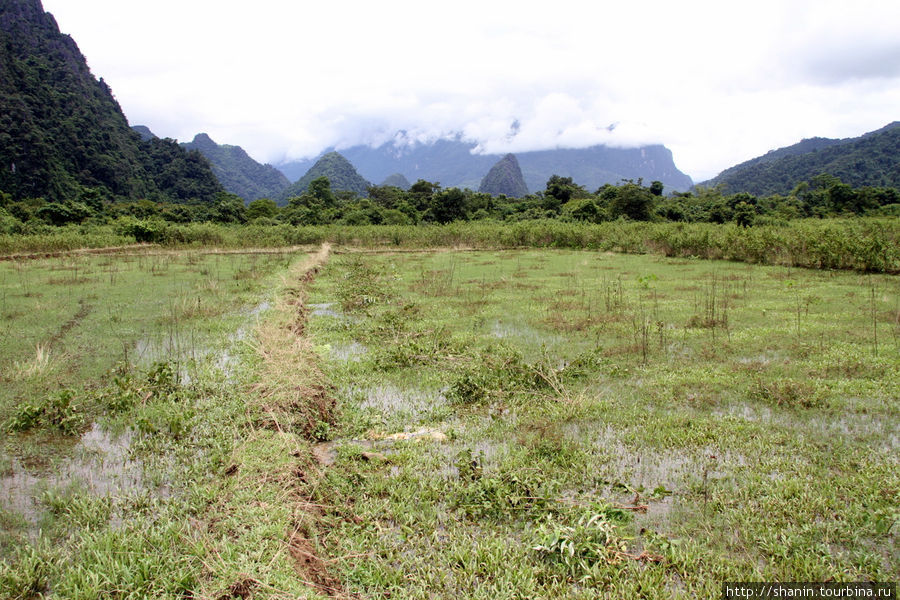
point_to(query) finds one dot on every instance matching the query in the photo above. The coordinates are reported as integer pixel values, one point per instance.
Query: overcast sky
(718, 82)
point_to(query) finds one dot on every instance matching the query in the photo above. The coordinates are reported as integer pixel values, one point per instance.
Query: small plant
(788, 393)
(162, 378)
(580, 548)
(36, 367)
(59, 410)
(497, 496)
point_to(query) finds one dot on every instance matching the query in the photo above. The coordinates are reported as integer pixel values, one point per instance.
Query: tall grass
(865, 244)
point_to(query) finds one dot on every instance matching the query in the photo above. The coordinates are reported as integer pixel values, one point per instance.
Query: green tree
(448, 205)
(262, 208)
(320, 188)
(228, 208)
(559, 191)
(633, 201)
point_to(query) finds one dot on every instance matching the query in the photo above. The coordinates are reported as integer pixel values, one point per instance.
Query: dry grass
(293, 391)
(40, 364)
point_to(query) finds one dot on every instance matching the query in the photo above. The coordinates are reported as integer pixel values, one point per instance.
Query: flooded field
(516, 424)
(85, 339)
(617, 425)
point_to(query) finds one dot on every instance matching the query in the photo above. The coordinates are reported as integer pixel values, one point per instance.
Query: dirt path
(296, 402)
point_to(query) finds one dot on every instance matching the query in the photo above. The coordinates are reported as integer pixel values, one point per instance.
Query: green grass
(120, 429)
(734, 422)
(864, 244)
(511, 424)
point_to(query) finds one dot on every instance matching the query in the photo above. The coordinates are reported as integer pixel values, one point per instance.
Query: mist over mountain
(451, 163)
(871, 159)
(62, 133)
(237, 172)
(339, 171)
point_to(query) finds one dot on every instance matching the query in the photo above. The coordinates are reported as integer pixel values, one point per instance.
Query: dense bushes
(866, 244)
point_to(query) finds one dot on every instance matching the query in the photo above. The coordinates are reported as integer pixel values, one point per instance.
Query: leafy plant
(580, 548)
(60, 410)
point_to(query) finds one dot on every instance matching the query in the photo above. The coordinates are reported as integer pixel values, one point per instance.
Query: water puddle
(511, 329)
(352, 351)
(389, 399)
(189, 347)
(326, 453)
(227, 359)
(325, 309)
(98, 464)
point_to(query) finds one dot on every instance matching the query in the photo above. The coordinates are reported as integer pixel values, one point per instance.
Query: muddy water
(188, 346)
(98, 464)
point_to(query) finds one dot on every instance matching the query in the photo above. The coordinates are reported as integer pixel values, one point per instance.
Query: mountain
(397, 180)
(337, 169)
(237, 172)
(62, 131)
(505, 178)
(452, 163)
(144, 132)
(871, 159)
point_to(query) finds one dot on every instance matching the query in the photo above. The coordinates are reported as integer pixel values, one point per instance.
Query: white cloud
(717, 82)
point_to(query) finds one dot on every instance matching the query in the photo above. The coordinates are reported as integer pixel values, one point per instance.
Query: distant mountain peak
(505, 178)
(397, 180)
(340, 172)
(238, 172)
(202, 139)
(144, 132)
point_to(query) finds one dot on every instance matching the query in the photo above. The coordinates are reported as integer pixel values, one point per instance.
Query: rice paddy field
(443, 424)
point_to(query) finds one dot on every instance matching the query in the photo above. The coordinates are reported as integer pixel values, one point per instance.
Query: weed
(788, 393)
(61, 411)
(580, 548)
(40, 364)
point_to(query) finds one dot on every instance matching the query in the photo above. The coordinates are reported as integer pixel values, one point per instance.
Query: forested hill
(340, 173)
(239, 173)
(872, 159)
(451, 163)
(62, 133)
(505, 178)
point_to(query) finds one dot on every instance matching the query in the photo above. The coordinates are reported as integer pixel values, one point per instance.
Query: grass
(626, 425)
(120, 431)
(484, 424)
(864, 244)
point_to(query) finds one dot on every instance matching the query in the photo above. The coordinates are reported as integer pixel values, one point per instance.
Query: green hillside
(872, 159)
(337, 169)
(237, 172)
(62, 133)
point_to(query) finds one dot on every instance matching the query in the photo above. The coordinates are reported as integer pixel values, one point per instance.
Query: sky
(718, 82)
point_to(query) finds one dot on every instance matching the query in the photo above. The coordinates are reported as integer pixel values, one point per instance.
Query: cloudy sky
(717, 82)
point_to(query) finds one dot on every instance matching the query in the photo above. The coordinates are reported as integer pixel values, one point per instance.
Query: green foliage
(633, 201)
(868, 160)
(498, 372)
(261, 208)
(61, 410)
(559, 191)
(582, 547)
(62, 131)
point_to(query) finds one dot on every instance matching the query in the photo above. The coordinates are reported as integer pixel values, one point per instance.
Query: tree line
(427, 202)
